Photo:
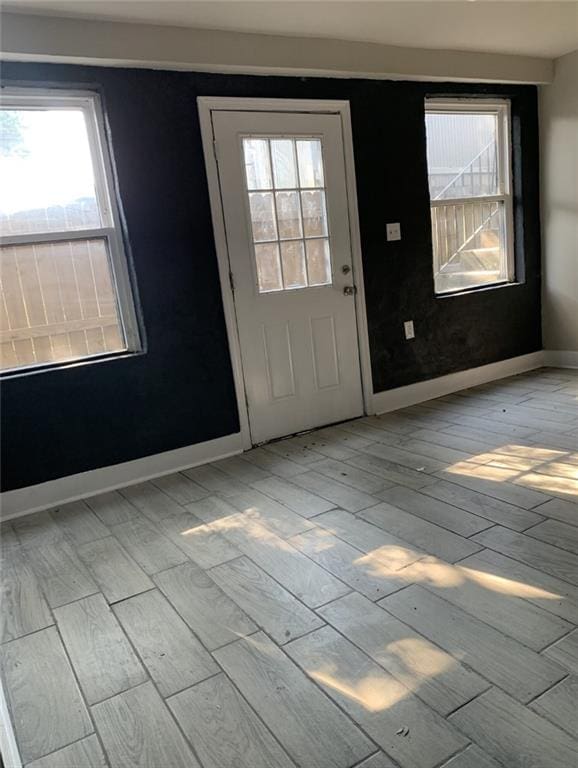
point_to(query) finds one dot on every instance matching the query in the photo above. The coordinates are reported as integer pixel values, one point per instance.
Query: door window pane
(318, 262)
(257, 165)
(288, 215)
(310, 163)
(293, 258)
(46, 170)
(284, 169)
(314, 214)
(263, 216)
(286, 219)
(268, 267)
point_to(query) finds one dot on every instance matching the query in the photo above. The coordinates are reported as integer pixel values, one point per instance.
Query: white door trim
(209, 104)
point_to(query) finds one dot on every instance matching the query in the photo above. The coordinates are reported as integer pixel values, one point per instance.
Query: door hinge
(231, 281)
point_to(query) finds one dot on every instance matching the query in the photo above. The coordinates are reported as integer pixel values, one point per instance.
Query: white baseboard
(558, 358)
(34, 498)
(412, 394)
(23, 501)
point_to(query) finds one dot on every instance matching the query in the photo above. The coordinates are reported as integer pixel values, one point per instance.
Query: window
(65, 285)
(286, 188)
(468, 156)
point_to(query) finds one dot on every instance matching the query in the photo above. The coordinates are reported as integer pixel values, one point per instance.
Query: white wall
(559, 142)
(39, 38)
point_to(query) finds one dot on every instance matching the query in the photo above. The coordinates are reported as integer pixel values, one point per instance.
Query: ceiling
(548, 29)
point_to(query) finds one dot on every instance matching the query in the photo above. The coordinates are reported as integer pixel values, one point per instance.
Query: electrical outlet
(408, 328)
(393, 231)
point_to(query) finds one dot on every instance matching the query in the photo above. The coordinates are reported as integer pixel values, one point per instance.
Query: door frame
(206, 106)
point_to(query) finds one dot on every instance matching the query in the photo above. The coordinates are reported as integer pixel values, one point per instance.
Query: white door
(284, 198)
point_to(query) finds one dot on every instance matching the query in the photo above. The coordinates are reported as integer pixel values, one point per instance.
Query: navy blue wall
(180, 391)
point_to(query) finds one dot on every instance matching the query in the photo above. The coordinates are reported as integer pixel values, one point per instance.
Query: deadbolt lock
(346, 269)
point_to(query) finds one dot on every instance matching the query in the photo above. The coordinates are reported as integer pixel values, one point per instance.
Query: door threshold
(303, 432)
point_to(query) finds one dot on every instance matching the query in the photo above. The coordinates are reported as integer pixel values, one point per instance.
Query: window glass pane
(314, 213)
(293, 258)
(58, 303)
(310, 163)
(318, 262)
(284, 170)
(469, 245)
(46, 170)
(262, 216)
(462, 154)
(257, 165)
(288, 214)
(268, 267)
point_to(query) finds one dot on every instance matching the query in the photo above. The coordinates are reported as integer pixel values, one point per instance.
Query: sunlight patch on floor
(437, 573)
(483, 471)
(509, 462)
(387, 559)
(559, 469)
(541, 469)
(374, 693)
(252, 524)
(415, 660)
(420, 660)
(530, 452)
(553, 485)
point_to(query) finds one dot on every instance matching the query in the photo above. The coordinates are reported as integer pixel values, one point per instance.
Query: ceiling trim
(27, 37)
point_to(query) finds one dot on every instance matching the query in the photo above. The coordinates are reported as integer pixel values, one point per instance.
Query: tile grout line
(523, 562)
(461, 661)
(547, 690)
(152, 682)
(558, 639)
(469, 701)
(546, 715)
(248, 703)
(475, 618)
(387, 672)
(332, 701)
(80, 689)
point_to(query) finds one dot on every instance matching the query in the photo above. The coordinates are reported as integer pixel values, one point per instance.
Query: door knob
(349, 290)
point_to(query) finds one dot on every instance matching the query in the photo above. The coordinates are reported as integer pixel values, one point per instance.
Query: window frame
(502, 108)
(111, 231)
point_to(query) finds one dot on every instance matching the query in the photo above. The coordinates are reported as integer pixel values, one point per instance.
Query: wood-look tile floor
(394, 591)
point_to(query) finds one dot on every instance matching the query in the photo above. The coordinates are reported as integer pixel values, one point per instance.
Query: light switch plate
(394, 231)
(408, 328)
